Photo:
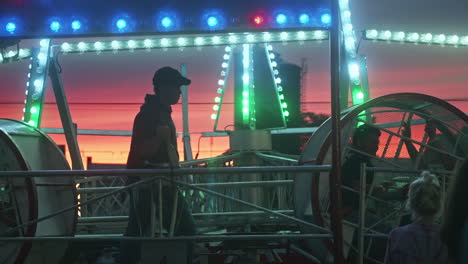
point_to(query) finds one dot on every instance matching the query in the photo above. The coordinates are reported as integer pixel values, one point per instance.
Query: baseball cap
(169, 75)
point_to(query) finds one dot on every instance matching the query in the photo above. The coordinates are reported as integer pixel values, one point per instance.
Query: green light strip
(246, 82)
(414, 37)
(36, 84)
(194, 41)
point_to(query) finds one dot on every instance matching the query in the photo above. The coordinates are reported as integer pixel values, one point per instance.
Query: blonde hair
(424, 196)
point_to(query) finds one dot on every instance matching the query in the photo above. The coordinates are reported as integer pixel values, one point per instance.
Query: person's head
(424, 196)
(366, 139)
(456, 212)
(167, 82)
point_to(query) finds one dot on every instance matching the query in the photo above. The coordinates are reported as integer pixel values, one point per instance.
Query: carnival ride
(267, 198)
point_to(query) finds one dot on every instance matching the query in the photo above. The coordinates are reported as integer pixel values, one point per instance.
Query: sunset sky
(105, 90)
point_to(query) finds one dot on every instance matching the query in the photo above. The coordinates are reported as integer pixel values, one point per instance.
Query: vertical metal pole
(335, 176)
(65, 116)
(185, 135)
(362, 212)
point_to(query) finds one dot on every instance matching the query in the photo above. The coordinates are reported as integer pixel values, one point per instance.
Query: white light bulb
(284, 36)
(453, 39)
(274, 64)
(66, 47)
(464, 40)
(227, 49)
(348, 28)
(98, 45)
(427, 37)
(38, 84)
(386, 35)
(44, 43)
(245, 78)
(164, 42)
(301, 35)
(148, 43)
(399, 36)
(266, 36)
(82, 46)
(115, 44)
(220, 82)
(224, 65)
(199, 41)
(131, 44)
(213, 116)
(181, 41)
(278, 80)
(250, 38)
(413, 37)
(319, 34)
(226, 57)
(271, 55)
(216, 40)
(353, 69)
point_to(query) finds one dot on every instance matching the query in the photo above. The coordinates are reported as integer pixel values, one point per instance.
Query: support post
(335, 176)
(64, 111)
(362, 212)
(186, 134)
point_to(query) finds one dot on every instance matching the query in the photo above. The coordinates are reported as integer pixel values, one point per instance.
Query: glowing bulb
(278, 80)
(348, 28)
(217, 99)
(220, 82)
(216, 40)
(226, 57)
(55, 26)
(399, 36)
(33, 110)
(427, 37)
(271, 55)
(284, 105)
(281, 19)
(266, 36)
(66, 47)
(164, 42)
(44, 43)
(224, 65)
(304, 18)
(76, 25)
(166, 22)
(440, 38)
(286, 113)
(181, 41)
(413, 37)
(121, 24)
(148, 43)
(115, 44)
(98, 45)
(213, 116)
(199, 41)
(227, 49)
(353, 70)
(386, 35)
(38, 83)
(360, 95)
(274, 64)
(32, 123)
(219, 90)
(464, 40)
(258, 20)
(326, 19)
(10, 27)
(453, 39)
(245, 78)
(81, 46)
(372, 34)
(212, 21)
(250, 38)
(284, 35)
(216, 107)
(131, 44)
(301, 35)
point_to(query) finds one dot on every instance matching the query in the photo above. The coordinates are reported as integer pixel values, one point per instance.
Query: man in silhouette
(154, 145)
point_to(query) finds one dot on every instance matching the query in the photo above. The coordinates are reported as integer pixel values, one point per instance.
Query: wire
(225, 128)
(198, 148)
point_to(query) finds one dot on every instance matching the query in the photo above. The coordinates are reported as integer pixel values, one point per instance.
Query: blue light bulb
(55, 26)
(121, 24)
(304, 18)
(76, 25)
(10, 27)
(212, 21)
(281, 19)
(166, 22)
(326, 18)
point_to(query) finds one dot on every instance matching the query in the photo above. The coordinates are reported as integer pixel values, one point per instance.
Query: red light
(258, 20)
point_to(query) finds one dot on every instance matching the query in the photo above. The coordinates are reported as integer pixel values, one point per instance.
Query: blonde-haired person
(419, 241)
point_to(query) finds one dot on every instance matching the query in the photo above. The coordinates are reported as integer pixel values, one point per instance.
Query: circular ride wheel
(24, 199)
(441, 151)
